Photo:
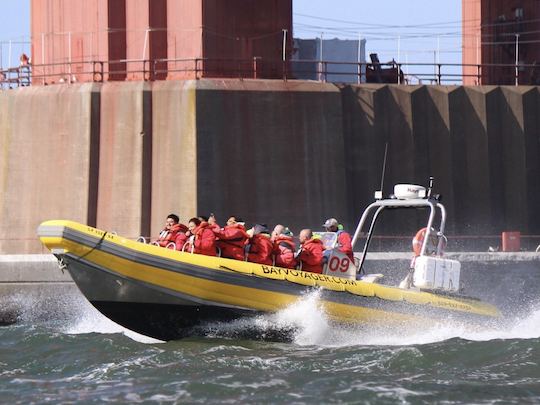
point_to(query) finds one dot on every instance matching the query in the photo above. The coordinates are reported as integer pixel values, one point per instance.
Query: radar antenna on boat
(379, 194)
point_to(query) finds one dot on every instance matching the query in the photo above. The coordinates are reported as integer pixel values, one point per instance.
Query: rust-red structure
(158, 39)
(494, 33)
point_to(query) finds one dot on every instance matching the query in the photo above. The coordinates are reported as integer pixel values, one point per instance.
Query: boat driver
(343, 238)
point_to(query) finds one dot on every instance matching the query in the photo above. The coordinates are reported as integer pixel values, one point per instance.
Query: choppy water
(83, 357)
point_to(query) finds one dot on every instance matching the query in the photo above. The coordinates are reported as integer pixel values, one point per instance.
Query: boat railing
(375, 209)
(191, 245)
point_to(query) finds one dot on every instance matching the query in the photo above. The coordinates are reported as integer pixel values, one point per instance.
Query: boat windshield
(329, 239)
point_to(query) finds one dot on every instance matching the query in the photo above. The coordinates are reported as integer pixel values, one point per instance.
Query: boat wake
(306, 324)
(92, 321)
(303, 323)
(314, 328)
(299, 323)
(70, 314)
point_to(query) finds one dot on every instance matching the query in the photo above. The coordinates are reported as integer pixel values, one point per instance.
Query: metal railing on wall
(259, 68)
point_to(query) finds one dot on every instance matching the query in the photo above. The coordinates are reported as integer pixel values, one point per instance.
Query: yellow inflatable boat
(167, 294)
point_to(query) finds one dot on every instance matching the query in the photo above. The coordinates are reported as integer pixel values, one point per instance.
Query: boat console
(337, 264)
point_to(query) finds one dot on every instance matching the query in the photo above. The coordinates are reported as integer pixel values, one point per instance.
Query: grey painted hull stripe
(74, 262)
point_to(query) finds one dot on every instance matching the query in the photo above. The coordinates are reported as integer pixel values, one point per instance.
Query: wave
(308, 325)
(92, 321)
(314, 328)
(304, 323)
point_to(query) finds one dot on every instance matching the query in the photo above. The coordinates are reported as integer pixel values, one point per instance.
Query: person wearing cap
(311, 252)
(232, 238)
(172, 229)
(343, 238)
(284, 247)
(260, 245)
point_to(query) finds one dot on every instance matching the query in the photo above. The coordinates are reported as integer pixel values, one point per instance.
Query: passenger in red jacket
(311, 252)
(211, 219)
(170, 232)
(213, 224)
(202, 239)
(232, 239)
(284, 247)
(260, 246)
(343, 238)
(181, 240)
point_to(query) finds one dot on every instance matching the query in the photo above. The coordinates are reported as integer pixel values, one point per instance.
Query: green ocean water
(82, 357)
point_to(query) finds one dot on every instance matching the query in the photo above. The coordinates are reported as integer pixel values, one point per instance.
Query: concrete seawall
(46, 141)
(480, 143)
(121, 156)
(271, 152)
(32, 287)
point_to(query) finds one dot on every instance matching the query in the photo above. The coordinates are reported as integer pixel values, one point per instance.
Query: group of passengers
(204, 236)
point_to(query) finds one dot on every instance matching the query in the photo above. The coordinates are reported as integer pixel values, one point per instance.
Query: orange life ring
(418, 241)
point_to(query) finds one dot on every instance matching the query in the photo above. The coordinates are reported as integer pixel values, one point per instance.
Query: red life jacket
(261, 249)
(204, 242)
(167, 236)
(215, 228)
(283, 251)
(345, 244)
(311, 256)
(180, 240)
(231, 241)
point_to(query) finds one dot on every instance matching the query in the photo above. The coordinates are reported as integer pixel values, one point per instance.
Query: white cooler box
(435, 273)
